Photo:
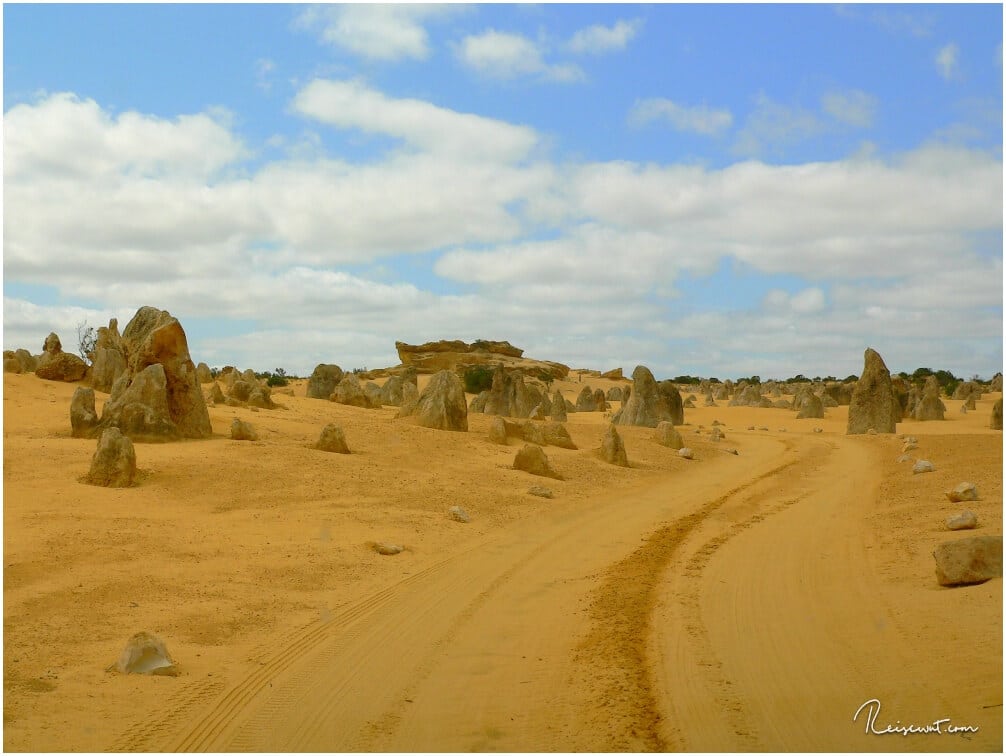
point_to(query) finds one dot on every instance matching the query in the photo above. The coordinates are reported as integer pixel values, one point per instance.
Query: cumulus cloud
(504, 55)
(601, 39)
(382, 32)
(854, 107)
(772, 126)
(946, 61)
(699, 119)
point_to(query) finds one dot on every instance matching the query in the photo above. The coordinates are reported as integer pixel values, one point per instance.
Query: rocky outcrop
(967, 389)
(613, 449)
(459, 356)
(750, 396)
(613, 375)
(930, 407)
(614, 394)
(332, 439)
(442, 404)
(323, 381)
(114, 462)
(546, 434)
(544, 409)
(873, 403)
(11, 364)
(531, 458)
(967, 561)
(650, 403)
(57, 365)
(83, 417)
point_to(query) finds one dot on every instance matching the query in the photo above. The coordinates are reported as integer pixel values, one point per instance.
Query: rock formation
(203, 373)
(83, 417)
(558, 408)
(650, 403)
(612, 448)
(873, 403)
(996, 423)
(613, 375)
(146, 654)
(57, 365)
(109, 359)
(323, 381)
(458, 356)
(614, 394)
(510, 396)
(930, 407)
(332, 439)
(969, 560)
(600, 403)
(586, 401)
(114, 461)
(242, 430)
(350, 392)
(666, 435)
(391, 391)
(442, 404)
(811, 407)
(532, 459)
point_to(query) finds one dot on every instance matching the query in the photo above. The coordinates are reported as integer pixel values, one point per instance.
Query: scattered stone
(963, 492)
(904, 458)
(966, 520)
(751, 427)
(873, 403)
(442, 404)
(967, 561)
(114, 462)
(242, 431)
(686, 453)
(545, 493)
(146, 654)
(332, 439)
(532, 459)
(323, 381)
(667, 435)
(729, 450)
(716, 435)
(909, 446)
(458, 514)
(83, 417)
(923, 466)
(388, 549)
(613, 449)
(763, 428)
(819, 430)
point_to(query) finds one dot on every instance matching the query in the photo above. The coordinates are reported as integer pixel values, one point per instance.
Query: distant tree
(798, 378)
(477, 379)
(851, 379)
(86, 342)
(278, 378)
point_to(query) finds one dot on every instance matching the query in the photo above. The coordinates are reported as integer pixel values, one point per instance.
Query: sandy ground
(748, 602)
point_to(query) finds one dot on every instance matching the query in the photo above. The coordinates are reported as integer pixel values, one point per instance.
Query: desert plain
(730, 602)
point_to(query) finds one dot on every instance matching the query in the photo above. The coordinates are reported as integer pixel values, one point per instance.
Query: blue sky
(713, 190)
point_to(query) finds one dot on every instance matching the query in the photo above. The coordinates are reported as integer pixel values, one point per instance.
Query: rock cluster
(441, 405)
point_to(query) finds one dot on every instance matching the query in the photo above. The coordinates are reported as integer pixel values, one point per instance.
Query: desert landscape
(702, 567)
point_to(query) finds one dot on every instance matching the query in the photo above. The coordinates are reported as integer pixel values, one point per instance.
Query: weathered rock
(509, 396)
(543, 411)
(966, 561)
(873, 403)
(323, 381)
(28, 362)
(332, 439)
(387, 549)
(410, 398)
(108, 362)
(686, 453)
(459, 356)
(716, 435)
(966, 520)
(261, 396)
(996, 423)
(672, 398)
(613, 375)
(458, 514)
(392, 391)
(909, 446)
(83, 417)
(203, 373)
(709, 401)
(997, 383)
(585, 401)
(497, 430)
(749, 396)
(146, 654)
(542, 491)
(930, 407)
(373, 392)
(478, 404)
(613, 448)
(442, 404)
(139, 407)
(963, 492)
(614, 394)
(52, 345)
(600, 402)
(240, 390)
(648, 403)
(547, 434)
(532, 459)
(811, 407)
(11, 364)
(61, 366)
(969, 403)
(559, 414)
(923, 466)
(114, 461)
(666, 435)
(350, 392)
(242, 430)
(967, 389)
(216, 394)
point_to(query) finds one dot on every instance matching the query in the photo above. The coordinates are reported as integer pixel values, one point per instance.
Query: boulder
(410, 397)
(686, 453)
(542, 491)
(478, 404)
(497, 430)
(967, 389)
(930, 407)
(613, 448)
(966, 561)
(323, 381)
(28, 363)
(373, 392)
(109, 359)
(387, 549)
(969, 403)
(261, 397)
(811, 407)
(544, 409)
(996, 423)
(966, 520)
(350, 392)
(240, 390)
(997, 383)
(532, 459)
(600, 403)
(709, 401)
(873, 403)
(216, 394)
(586, 402)
(146, 654)
(666, 435)
(546, 434)
(559, 414)
(114, 462)
(391, 392)
(242, 431)
(963, 492)
(442, 404)
(648, 402)
(139, 407)
(458, 514)
(83, 417)
(332, 439)
(923, 466)
(51, 345)
(11, 364)
(840, 393)
(716, 435)
(203, 373)
(60, 366)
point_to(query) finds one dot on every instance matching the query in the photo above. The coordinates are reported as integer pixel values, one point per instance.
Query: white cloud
(350, 104)
(384, 32)
(600, 39)
(946, 61)
(854, 107)
(772, 126)
(264, 68)
(699, 119)
(504, 55)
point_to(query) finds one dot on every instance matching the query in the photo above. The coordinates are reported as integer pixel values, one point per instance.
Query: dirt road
(735, 610)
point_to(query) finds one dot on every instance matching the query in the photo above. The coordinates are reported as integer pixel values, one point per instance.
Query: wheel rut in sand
(615, 657)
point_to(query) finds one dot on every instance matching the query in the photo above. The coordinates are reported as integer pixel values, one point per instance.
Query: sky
(710, 190)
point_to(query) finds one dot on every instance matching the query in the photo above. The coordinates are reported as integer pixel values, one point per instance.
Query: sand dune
(747, 602)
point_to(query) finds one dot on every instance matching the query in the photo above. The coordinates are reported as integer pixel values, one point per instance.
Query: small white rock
(686, 453)
(966, 520)
(146, 654)
(459, 514)
(388, 549)
(963, 492)
(923, 466)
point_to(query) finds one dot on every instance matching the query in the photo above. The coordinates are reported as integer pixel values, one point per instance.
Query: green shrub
(478, 379)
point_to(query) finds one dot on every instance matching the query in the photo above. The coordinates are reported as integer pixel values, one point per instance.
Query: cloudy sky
(710, 190)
